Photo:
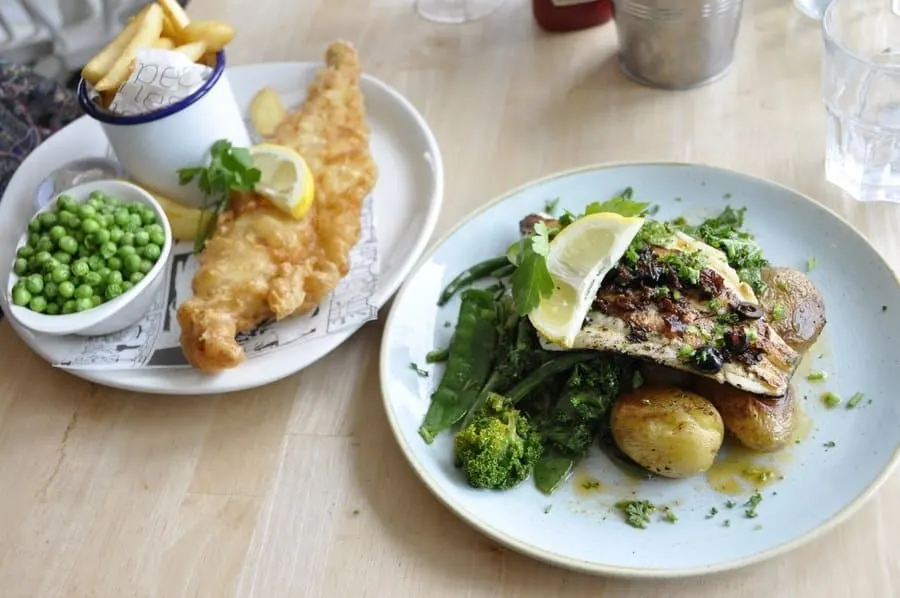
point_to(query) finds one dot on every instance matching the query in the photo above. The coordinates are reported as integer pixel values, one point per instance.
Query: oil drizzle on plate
(586, 485)
(742, 471)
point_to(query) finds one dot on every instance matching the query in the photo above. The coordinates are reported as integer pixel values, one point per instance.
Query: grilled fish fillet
(713, 327)
(262, 263)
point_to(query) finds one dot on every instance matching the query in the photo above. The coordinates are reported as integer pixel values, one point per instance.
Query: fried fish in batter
(261, 263)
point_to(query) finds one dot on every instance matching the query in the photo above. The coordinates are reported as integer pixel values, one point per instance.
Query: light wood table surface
(298, 488)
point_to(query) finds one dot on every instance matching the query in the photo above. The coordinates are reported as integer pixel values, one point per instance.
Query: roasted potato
(793, 306)
(667, 430)
(763, 424)
(266, 111)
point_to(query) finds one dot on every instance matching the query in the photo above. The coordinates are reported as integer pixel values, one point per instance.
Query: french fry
(266, 111)
(103, 61)
(215, 34)
(169, 30)
(176, 16)
(148, 30)
(164, 43)
(209, 59)
(193, 50)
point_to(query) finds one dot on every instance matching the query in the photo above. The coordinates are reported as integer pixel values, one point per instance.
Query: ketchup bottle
(569, 15)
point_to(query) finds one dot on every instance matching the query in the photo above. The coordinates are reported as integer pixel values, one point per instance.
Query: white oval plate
(583, 531)
(408, 199)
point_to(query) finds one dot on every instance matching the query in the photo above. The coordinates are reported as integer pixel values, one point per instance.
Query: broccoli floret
(572, 425)
(499, 448)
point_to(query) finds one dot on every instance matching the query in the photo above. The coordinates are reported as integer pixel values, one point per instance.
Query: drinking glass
(861, 90)
(456, 11)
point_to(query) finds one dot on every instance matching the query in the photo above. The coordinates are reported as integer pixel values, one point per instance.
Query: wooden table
(298, 488)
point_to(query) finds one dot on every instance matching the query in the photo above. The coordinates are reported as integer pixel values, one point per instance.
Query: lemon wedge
(580, 256)
(285, 178)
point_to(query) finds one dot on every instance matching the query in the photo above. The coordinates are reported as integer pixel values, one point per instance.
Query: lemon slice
(580, 256)
(285, 178)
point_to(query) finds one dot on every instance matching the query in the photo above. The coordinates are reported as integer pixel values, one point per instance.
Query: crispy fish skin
(261, 263)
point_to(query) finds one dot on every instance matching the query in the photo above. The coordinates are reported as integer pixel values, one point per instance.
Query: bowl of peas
(90, 262)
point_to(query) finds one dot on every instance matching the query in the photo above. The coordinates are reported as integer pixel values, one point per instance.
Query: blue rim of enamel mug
(92, 110)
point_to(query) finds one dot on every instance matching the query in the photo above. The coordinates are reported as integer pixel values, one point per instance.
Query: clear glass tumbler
(861, 90)
(456, 11)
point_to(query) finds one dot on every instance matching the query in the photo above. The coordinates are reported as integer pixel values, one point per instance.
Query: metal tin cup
(677, 44)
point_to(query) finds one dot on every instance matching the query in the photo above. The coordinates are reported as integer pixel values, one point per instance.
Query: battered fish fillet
(261, 263)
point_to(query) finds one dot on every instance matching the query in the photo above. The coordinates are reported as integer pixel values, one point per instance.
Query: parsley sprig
(230, 170)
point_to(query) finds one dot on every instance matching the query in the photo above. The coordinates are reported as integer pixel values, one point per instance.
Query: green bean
(471, 355)
(471, 275)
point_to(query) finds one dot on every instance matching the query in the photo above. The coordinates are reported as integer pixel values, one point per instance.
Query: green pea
(51, 290)
(20, 266)
(125, 251)
(96, 300)
(33, 239)
(122, 217)
(93, 279)
(141, 238)
(20, 295)
(66, 289)
(114, 277)
(49, 265)
(98, 196)
(57, 233)
(158, 238)
(42, 256)
(38, 304)
(108, 249)
(62, 257)
(80, 268)
(65, 202)
(115, 234)
(103, 220)
(152, 252)
(104, 273)
(69, 307)
(96, 262)
(25, 252)
(113, 290)
(148, 216)
(127, 286)
(89, 226)
(48, 220)
(60, 274)
(127, 239)
(146, 266)
(101, 236)
(44, 244)
(34, 284)
(95, 203)
(34, 226)
(83, 304)
(52, 309)
(135, 277)
(86, 211)
(114, 263)
(84, 291)
(79, 236)
(132, 263)
(83, 252)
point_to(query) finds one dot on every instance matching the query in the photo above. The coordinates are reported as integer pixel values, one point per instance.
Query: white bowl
(114, 315)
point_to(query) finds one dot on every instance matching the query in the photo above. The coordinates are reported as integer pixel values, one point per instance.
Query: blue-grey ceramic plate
(842, 455)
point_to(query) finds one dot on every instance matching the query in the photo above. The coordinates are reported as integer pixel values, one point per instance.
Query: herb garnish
(712, 513)
(778, 312)
(670, 515)
(230, 169)
(829, 444)
(419, 371)
(551, 205)
(811, 264)
(637, 512)
(831, 399)
(437, 356)
(730, 504)
(750, 510)
(854, 400)
(531, 282)
(817, 376)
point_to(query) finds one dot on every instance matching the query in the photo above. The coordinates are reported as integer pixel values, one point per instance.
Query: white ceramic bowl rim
(91, 109)
(576, 564)
(73, 323)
